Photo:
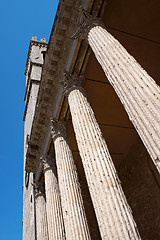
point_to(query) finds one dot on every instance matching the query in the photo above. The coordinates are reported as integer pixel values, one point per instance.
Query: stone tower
(33, 72)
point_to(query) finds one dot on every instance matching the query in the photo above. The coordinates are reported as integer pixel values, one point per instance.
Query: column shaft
(75, 221)
(53, 206)
(113, 213)
(137, 91)
(41, 218)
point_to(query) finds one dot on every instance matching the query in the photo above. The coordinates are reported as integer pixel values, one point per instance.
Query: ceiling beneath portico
(135, 24)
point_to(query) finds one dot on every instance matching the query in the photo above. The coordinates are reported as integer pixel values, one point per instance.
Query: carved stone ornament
(47, 162)
(71, 82)
(58, 129)
(39, 189)
(85, 23)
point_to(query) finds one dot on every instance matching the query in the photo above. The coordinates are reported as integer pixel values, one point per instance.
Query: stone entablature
(59, 45)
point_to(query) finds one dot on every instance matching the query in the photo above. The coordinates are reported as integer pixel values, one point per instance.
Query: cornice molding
(59, 47)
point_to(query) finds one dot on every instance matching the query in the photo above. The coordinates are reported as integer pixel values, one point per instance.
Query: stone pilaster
(53, 202)
(113, 213)
(138, 92)
(75, 221)
(41, 216)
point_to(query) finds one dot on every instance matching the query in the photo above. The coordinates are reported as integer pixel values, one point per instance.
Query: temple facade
(91, 124)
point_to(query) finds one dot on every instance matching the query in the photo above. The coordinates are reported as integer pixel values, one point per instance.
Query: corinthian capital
(47, 162)
(39, 189)
(85, 23)
(71, 82)
(58, 129)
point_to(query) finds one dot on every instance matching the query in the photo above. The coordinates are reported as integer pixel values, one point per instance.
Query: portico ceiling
(134, 24)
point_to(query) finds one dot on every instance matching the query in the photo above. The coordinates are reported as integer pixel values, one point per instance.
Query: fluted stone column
(138, 92)
(113, 213)
(53, 203)
(75, 221)
(41, 216)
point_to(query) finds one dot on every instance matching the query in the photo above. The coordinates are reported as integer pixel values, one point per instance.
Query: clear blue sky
(19, 20)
